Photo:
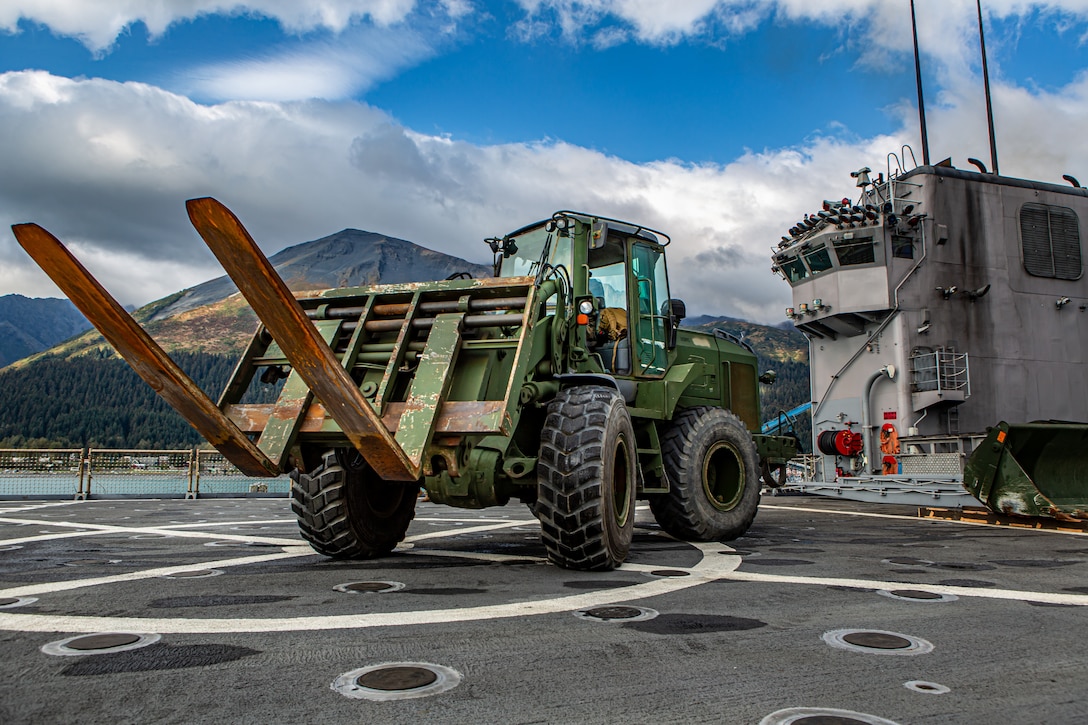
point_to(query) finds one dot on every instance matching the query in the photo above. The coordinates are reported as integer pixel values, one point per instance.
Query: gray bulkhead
(973, 295)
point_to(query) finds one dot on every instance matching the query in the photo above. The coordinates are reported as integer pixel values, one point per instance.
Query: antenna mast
(918, 76)
(986, 82)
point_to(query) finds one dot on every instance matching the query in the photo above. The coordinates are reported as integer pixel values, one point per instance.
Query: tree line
(97, 401)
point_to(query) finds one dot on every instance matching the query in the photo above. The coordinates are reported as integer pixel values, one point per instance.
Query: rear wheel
(713, 471)
(586, 479)
(346, 511)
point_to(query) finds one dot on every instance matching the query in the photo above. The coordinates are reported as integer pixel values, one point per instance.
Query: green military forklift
(566, 382)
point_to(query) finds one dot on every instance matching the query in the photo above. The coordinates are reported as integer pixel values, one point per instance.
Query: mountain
(349, 258)
(780, 344)
(213, 318)
(29, 325)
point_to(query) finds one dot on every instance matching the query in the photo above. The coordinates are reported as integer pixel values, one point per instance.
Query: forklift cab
(620, 268)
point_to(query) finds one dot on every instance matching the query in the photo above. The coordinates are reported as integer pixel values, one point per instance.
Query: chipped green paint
(430, 385)
(396, 358)
(283, 422)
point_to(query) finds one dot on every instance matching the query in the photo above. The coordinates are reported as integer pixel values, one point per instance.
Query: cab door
(649, 306)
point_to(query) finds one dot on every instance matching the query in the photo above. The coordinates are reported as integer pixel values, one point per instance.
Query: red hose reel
(839, 443)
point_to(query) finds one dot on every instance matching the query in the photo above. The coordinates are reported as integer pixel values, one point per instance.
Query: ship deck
(179, 611)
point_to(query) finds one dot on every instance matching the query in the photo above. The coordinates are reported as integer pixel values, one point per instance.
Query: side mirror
(675, 310)
(598, 234)
(768, 377)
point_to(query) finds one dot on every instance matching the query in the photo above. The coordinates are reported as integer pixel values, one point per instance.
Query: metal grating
(1050, 236)
(940, 370)
(935, 464)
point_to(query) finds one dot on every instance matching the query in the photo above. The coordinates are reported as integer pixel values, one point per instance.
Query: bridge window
(855, 251)
(794, 269)
(819, 259)
(1050, 236)
(902, 247)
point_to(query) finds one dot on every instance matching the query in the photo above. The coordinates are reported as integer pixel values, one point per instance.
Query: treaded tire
(714, 474)
(586, 477)
(345, 511)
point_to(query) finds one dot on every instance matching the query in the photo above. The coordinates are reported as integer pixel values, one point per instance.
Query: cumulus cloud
(106, 166)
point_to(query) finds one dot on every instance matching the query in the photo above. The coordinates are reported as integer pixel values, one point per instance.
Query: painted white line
(476, 520)
(1080, 600)
(32, 507)
(49, 587)
(904, 517)
(708, 569)
(243, 522)
(51, 537)
(468, 530)
(863, 514)
(626, 566)
(292, 548)
(160, 530)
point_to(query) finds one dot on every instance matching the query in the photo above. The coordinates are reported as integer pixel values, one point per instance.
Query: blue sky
(445, 121)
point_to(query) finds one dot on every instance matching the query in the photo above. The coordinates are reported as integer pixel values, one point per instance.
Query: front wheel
(586, 477)
(713, 471)
(346, 511)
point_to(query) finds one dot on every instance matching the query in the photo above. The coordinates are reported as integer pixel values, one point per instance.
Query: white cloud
(330, 69)
(97, 23)
(107, 166)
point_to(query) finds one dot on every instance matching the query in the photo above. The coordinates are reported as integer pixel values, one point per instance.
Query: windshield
(525, 262)
(794, 269)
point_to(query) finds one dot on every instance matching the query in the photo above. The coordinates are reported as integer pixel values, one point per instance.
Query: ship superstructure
(938, 303)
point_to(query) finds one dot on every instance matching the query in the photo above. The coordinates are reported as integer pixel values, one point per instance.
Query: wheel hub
(723, 476)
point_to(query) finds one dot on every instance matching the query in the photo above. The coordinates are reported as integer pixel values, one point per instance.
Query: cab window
(525, 262)
(652, 291)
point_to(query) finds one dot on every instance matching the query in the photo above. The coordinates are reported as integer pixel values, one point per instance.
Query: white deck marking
(469, 530)
(31, 507)
(1080, 600)
(49, 587)
(708, 569)
(177, 530)
(712, 566)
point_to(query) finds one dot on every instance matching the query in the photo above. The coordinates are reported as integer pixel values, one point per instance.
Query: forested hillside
(96, 400)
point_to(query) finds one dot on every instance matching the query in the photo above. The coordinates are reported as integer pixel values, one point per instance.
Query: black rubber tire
(713, 471)
(586, 477)
(346, 512)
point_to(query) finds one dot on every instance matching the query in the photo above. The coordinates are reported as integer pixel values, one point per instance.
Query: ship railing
(38, 472)
(82, 473)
